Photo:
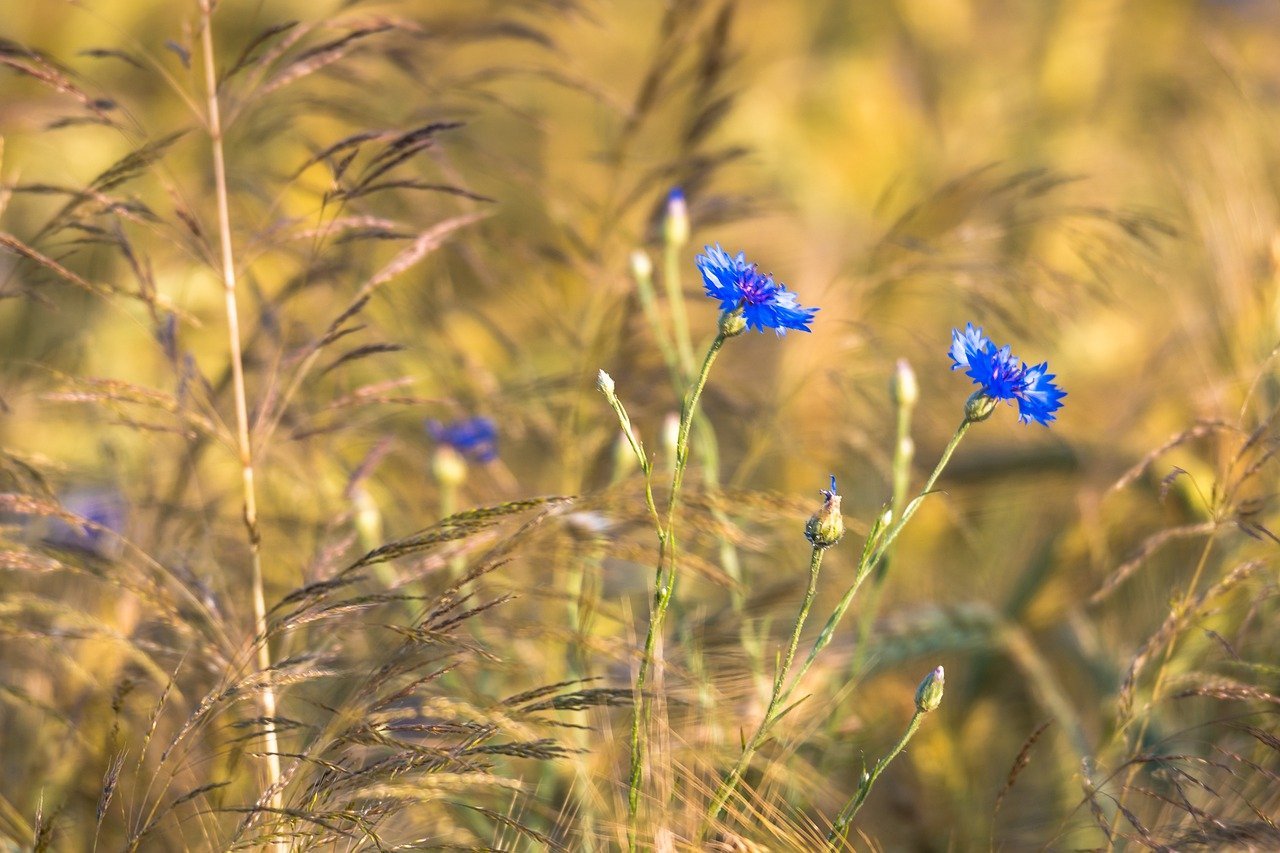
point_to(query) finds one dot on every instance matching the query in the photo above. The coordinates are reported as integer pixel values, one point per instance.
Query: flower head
(826, 526)
(474, 438)
(929, 693)
(765, 303)
(1000, 375)
(103, 515)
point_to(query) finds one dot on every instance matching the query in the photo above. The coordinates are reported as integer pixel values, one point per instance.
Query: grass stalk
(243, 442)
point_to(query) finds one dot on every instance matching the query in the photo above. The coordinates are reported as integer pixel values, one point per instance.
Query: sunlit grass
(434, 211)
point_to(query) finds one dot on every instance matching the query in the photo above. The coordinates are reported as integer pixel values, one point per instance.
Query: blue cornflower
(765, 303)
(104, 512)
(999, 375)
(475, 438)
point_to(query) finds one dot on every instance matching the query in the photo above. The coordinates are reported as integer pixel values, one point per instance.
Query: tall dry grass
(431, 211)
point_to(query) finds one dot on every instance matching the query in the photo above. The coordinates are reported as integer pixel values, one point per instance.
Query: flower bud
(675, 227)
(732, 323)
(929, 693)
(448, 466)
(605, 383)
(368, 519)
(979, 407)
(903, 387)
(826, 526)
(641, 265)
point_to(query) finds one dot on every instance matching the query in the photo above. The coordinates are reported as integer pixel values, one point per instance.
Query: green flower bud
(605, 382)
(732, 323)
(675, 228)
(903, 387)
(929, 693)
(826, 526)
(368, 518)
(641, 265)
(448, 466)
(979, 407)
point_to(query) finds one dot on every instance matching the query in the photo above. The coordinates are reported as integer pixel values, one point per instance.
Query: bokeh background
(1093, 182)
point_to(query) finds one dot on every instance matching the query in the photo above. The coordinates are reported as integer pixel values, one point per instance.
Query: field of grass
(272, 270)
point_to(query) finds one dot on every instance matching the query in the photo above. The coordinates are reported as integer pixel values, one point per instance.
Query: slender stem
(665, 583)
(774, 710)
(244, 444)
(877, 545)
(675, 301)
(841, 825)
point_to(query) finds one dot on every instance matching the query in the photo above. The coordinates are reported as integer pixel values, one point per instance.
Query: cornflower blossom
(474, 438)
(1000, 375)
(739, 285)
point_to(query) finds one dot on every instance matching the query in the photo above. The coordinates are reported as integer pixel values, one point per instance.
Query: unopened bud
(675, 227)
(368, 518)
(641, 265)
(732, 323)
(448, 466)
(605, 383)
(979, 407)
(826, 526)
(903, 386)
(929, 693)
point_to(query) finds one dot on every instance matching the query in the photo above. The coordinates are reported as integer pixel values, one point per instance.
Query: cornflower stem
(649, 305)
(878, 543)
(836, 836)
(244, 444)
(675, 301)
(774, 711)
(664, 587)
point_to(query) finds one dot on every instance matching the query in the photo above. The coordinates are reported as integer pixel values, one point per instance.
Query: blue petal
(475, 438)
(1039, 397)
(736, 283)
(964, 346)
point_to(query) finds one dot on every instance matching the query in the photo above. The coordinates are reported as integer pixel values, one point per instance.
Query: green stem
(841, 825)
(877, 545)
(664, 588)
(675, 300)
(774, 711)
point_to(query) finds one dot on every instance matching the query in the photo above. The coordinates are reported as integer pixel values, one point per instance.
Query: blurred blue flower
(765, 304)
(1002, 376)
(103, 510)
(474, 438)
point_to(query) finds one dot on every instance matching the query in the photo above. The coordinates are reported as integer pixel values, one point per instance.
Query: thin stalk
(244, 445)
(664, 587)
(1156, 686)
(877, 545)
(675, 302)
(841, 825)
(774, 710)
